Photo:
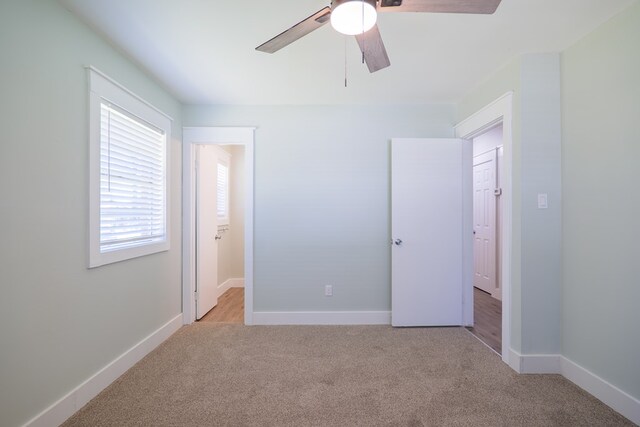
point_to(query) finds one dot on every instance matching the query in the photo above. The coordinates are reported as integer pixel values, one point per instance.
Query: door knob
(397, 242)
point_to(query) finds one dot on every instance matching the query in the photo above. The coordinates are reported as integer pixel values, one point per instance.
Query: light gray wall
(596, 191)
(236, 234)
(601, 208)
(322, 198)
(231, 246)
(60, 322)
(488, 141)
(540, 135)
(224, 259)
(224, 244)
(536, 274)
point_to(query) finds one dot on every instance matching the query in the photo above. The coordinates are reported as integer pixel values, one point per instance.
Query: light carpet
(211, 374)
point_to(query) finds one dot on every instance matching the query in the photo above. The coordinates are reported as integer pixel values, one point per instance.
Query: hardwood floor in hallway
(487, 316)
(230, 308)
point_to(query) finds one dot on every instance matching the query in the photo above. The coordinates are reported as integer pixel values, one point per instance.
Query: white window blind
(223, 192)
(132, 175)
(128, 174)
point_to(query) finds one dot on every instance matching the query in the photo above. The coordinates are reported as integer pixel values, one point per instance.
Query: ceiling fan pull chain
(363, 39)
(345, 61)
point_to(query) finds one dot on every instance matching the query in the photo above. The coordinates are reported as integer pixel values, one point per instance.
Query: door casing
(498, 111)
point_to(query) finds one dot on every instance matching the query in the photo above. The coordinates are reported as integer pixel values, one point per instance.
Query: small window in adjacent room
(128, 174)
(223, 190)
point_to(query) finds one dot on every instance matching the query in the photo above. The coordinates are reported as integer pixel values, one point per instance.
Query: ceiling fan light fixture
(353, 17)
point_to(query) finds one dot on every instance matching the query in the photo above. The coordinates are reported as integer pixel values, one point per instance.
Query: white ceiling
(203, 50)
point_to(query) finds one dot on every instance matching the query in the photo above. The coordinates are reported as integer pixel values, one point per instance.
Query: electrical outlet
(328, 291)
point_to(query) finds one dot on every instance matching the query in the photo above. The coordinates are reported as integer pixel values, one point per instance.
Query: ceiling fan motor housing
(336, 3)
(353, 16)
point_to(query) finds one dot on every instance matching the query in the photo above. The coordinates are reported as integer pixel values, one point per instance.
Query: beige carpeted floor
(232, 375)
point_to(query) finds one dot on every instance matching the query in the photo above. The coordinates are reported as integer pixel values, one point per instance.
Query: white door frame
(499, 111)
(192, 136)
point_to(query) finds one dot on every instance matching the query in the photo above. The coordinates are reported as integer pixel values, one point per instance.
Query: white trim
(193, 136)
(322, 318)
(486, 118)
(237, 282)
(609, 394)
(61, 410)
(514, 360)
(500, 110)
(534, 363)
(95, 70)
(230, 283)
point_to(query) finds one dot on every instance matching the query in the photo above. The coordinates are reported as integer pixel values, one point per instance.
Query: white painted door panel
(428, 216)
(206, 230)
(484, 222)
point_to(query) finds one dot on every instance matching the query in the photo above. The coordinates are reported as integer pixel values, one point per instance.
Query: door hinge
(197, 295)
(497, 192)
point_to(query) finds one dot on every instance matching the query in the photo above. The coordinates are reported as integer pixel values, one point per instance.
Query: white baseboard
(322, 318)
(534, 363)
(514, 360)
(230, 283)
(611, 395)
(61, 410)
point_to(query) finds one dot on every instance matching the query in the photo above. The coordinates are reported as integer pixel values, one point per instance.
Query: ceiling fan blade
(299, 30)
(375, 54)
(440, 6)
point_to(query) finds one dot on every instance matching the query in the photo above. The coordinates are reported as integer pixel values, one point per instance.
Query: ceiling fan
(358, 18)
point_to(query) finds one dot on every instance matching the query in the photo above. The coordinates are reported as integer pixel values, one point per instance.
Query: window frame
(224, 158)
(102, 88)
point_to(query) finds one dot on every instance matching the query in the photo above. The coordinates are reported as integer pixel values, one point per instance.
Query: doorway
(497, 112)
(219, 233)
(230, 140)
(487, 199)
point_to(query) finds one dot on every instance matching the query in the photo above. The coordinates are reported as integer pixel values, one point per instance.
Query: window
(128, 174)
(222, 184)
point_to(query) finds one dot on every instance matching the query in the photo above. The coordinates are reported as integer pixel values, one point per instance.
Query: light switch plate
(542, 201)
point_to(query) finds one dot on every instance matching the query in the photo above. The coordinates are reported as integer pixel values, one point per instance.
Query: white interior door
(431, 218)
(206, 230)
(484, 222)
